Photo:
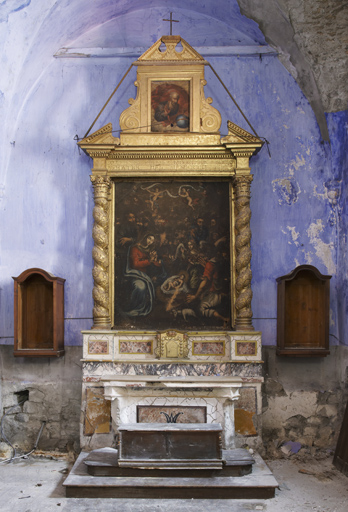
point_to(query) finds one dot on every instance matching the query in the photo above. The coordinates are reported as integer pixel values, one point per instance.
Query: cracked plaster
(323, 250)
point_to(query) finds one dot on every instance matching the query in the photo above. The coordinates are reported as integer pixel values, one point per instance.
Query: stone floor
(35, 485)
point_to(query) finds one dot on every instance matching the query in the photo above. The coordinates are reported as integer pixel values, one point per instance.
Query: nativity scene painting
(170, 104)
(172, 255)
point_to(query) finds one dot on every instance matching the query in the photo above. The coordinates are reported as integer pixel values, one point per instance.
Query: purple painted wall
(298, 195)
(338, 126)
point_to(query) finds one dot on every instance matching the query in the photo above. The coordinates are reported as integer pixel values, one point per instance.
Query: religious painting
(170, 106)
(172, 255)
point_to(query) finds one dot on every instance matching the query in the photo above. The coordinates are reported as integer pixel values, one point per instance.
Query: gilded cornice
(242, 153)
(95, 153)
(241, 143)
(170, 155)
(168, 140)
(170, 167)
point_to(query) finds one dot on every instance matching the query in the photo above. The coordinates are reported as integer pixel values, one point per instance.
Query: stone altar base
(170, 446)
(98, 475)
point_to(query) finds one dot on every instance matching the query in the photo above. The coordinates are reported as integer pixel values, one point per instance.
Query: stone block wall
(34, 391)
(304, 400)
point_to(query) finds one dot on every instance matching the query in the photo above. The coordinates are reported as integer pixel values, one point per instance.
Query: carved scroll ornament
(210, 116)
(130, 118)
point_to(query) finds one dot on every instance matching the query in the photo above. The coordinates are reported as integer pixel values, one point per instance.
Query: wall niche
(38, 314)
(303, 313)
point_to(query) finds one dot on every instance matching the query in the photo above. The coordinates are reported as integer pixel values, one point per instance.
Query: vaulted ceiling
(310, 37)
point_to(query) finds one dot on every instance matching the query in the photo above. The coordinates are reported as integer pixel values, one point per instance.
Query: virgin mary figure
(143, 269)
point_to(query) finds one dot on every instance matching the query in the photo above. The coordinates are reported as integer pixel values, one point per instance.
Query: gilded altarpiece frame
(188, 152)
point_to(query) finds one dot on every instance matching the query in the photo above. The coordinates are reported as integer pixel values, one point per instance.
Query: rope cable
(111, 95)
(232, 98)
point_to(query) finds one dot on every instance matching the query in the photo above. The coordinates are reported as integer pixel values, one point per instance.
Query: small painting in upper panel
(170, 106)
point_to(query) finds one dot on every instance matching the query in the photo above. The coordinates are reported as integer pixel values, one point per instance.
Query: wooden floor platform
(176, 484)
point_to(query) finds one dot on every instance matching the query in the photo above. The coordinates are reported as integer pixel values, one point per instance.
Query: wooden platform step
(259, 484)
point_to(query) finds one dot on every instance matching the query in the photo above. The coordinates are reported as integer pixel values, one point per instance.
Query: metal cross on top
(171, 22)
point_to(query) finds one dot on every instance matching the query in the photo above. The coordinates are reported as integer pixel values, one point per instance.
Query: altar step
(105, 462)
(107, 481)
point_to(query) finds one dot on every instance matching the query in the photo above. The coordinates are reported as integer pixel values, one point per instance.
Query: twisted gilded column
(241, 185)
(100, 253)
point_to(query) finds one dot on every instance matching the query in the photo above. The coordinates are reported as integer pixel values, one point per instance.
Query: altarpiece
(172, 319)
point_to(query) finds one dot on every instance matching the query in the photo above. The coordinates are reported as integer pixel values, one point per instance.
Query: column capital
(100, 181)
(243, 180)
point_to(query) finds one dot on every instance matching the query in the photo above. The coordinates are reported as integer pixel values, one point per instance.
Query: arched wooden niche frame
(303, 313)
(195, 151)
(38, 314)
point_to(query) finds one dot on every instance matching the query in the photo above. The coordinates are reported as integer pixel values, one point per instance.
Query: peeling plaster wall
(338, 125)
(53, 396)
(296, 207)
(299, 195)
(304, 400)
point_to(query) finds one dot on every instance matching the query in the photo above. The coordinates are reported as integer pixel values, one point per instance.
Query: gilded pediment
(170, 94)
(238, 134)
(170, 107)
(102, 136)
(175, 49)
